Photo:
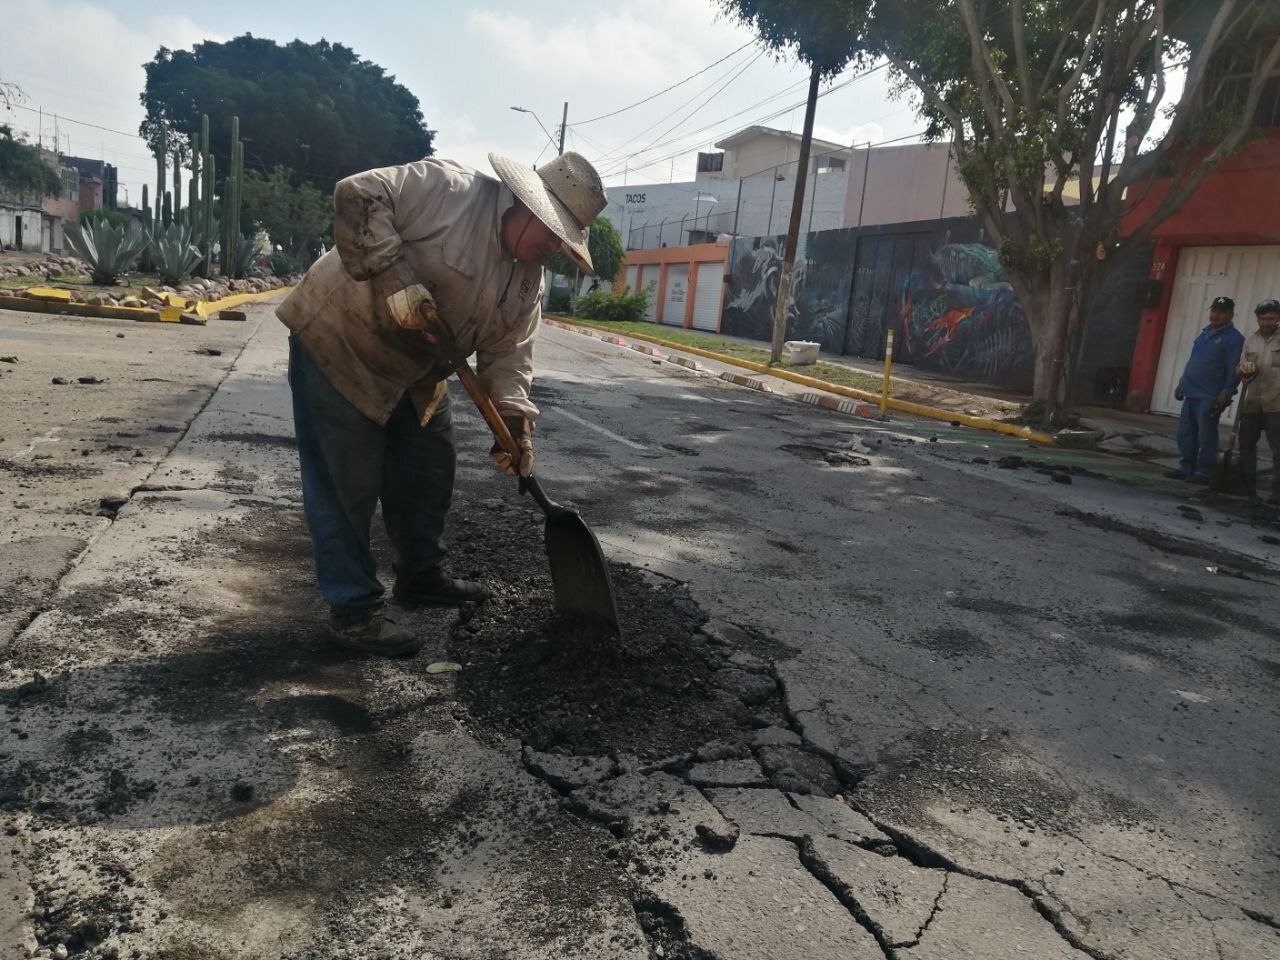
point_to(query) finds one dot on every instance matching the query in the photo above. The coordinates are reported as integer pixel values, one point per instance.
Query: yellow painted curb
(206, 307)
(171, 314)
(905, 406)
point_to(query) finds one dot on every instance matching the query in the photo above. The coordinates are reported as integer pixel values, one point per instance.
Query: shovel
(1226, 478)
(578, 571)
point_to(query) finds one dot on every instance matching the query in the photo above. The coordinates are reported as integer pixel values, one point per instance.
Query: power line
(672, 113)
(666, 89)
(832, 89)
(82, 123)
(702, 105)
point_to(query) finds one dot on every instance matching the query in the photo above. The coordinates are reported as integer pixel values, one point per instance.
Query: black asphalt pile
(668, 686)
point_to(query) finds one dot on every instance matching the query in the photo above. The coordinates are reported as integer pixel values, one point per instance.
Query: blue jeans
(349, 463)
(1252, 426)
(1198, 436)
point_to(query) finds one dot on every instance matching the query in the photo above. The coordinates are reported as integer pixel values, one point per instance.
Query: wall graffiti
(947, 301)
(959, 315)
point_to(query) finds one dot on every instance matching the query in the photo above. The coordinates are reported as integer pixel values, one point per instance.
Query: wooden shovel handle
(487, 410)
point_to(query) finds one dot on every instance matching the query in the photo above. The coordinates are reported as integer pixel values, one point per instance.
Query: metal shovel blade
(578, 571)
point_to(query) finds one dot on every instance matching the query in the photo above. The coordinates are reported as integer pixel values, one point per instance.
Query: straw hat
(565, 194)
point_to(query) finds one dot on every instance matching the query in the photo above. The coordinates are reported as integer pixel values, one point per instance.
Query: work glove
(1247, 370)
(400, 296)
(522, 430)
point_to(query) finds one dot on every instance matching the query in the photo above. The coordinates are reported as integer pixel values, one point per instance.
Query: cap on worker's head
(1223, 303)
(565, 193)
(1269, 305)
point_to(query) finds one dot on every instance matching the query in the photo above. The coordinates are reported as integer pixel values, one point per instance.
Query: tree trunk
(1055, 307)
(793, 230)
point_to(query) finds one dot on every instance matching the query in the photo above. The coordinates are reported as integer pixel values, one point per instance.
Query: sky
(468, 64)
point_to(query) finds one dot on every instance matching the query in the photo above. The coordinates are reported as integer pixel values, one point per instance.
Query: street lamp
(550, 138)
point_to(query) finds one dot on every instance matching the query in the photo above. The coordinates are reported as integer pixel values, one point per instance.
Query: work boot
(435, 588)
(1200, 479)
(375, 633)
(1175, 475)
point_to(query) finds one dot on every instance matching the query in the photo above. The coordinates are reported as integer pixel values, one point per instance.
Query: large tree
(1043, 99)
(314, 108)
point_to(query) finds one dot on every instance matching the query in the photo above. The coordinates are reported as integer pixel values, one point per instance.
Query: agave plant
(108, 250)
(174, 253)
(246, 250)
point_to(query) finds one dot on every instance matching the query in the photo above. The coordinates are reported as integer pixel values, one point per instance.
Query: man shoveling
(433, 261)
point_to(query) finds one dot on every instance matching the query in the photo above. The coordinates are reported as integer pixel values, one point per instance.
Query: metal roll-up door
(677, 295)
(708, 297)
(633, 279)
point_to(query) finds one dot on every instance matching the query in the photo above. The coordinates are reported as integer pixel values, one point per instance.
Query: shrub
(283, 265)
(174, 252)
(611, 307)
(108, 250)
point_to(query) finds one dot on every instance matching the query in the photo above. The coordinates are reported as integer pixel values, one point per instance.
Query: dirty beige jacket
(1264, 389)
(436, 222)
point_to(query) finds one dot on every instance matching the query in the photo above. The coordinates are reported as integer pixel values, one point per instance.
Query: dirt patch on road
(666, 688)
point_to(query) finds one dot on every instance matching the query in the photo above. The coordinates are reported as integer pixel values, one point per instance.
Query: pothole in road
(836, 458)
(672, 684)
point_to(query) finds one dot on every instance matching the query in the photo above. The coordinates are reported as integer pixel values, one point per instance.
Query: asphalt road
(1026, 718)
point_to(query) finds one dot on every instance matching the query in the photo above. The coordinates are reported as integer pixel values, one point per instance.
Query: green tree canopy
(297, 217)
(314, 108)
(605, 246)
(23, 170)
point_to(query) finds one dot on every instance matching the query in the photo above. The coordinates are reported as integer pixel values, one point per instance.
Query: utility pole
(564, 120)
(793, 231)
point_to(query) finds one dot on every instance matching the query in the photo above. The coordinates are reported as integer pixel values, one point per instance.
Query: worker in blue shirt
(1208, 383)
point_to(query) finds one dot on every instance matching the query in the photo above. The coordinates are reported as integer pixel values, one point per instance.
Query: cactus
(166, 211)
(177, 183)
(209, 231)
(231, 202)
(145, 264)
(161, 152)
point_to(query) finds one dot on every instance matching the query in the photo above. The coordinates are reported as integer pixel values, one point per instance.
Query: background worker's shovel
(1226, 478)
(578, 571)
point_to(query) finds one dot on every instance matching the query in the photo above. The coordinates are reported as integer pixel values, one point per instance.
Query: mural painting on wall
(948, 301)
(959, 315)
(820, 288)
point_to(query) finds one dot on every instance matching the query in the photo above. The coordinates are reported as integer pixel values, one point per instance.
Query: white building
(745, 190)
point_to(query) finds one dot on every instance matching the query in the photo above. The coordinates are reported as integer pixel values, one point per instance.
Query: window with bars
(710, 162)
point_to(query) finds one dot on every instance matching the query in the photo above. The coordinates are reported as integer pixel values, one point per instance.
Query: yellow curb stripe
(206, 307)
(171, 314)
(905, 406)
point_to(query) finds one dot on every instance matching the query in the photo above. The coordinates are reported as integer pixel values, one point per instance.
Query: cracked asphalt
(880, 697)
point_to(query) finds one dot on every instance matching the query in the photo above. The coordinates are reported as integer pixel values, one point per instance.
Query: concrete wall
(31, 228)
(904, 184)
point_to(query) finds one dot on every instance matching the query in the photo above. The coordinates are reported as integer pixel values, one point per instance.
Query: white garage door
(677, 295)
(706, 299)
(649, 278)
(1245, 274)
(633, 277)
